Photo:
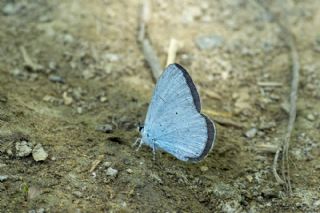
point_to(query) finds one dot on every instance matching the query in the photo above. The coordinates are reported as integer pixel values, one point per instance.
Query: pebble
(204, 168)
(129, 171)
(107, 128)
(67, 100)
(67, 38)
(249, 178)
(209, 42)
(103, 99)
(190, 14)
(56, 79)
(3, 178)
(11, 9)
(316, 204)
(41, 210)
(112, 172)
(267, 125)
(311, 117)
(79, 110)
(251, 132)
(107, 164)
(111, 57)
(87, 74)
(77, 194)
(52, 66)
(23, 149)
(38, 153)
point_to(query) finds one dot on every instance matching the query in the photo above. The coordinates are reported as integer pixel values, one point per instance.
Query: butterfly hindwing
(174, 122)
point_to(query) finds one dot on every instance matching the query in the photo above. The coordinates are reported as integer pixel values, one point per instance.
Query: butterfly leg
(135, 143)
(140, 144)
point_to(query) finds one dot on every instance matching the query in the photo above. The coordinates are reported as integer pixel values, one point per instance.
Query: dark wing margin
(192, 87)
(211, 132)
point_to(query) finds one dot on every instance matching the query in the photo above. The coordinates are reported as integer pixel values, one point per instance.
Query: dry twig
(172, 51)
(289, 39)
(148, 51)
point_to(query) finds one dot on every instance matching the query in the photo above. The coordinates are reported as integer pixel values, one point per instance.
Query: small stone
(67, 100)
(209, 42)
(3, 178)
(311, 117)
(41, 210)
(249, 178)
(129, 171)
(190, 14)
(11, 9)
(52, 66)
(267, 125)
(23, 149)
(112, 172)
(68, 38)
(107, 164)
(111, 57)
(2, 165)
(79, 110)
(56, 79)
(103, 99)
(19, 74)
(38, 153)
(9, 152)
(107, 128)
(251, 132)
(87, 74)
(316, 203)
(204, 168)
(77, 194)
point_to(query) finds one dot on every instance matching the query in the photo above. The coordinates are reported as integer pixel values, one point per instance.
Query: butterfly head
(140, 127)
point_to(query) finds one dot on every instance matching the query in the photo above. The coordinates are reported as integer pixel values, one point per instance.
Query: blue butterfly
(174, 122)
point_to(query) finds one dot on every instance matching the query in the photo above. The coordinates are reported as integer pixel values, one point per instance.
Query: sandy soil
(68, 67)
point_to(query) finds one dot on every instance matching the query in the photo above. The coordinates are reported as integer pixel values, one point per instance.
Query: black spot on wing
(211, 132)
(192, 87)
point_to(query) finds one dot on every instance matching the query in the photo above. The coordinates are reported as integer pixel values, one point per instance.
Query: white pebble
(112, 172)
(38, 153)
(107, 164)
(23, 149)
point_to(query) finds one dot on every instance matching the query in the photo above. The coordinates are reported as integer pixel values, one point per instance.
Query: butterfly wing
(174, 122)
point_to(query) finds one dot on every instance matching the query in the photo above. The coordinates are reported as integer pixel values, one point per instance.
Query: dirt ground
(71, 68)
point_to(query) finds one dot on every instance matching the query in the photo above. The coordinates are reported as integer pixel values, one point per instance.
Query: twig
(274, 167)
(267, 148)
(152, 59)
(148, 51)
(95, 163)
(211, 94)
(28, 63)
(227, 122)
(289, 39)
(172, 51)
(144, 19)
(269, 84)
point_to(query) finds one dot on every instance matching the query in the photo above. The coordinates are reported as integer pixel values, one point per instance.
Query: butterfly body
(174, 122)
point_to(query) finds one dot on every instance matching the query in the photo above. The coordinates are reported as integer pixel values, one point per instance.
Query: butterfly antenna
(135, 143)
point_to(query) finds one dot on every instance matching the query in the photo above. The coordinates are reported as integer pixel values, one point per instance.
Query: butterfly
(174, 122)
